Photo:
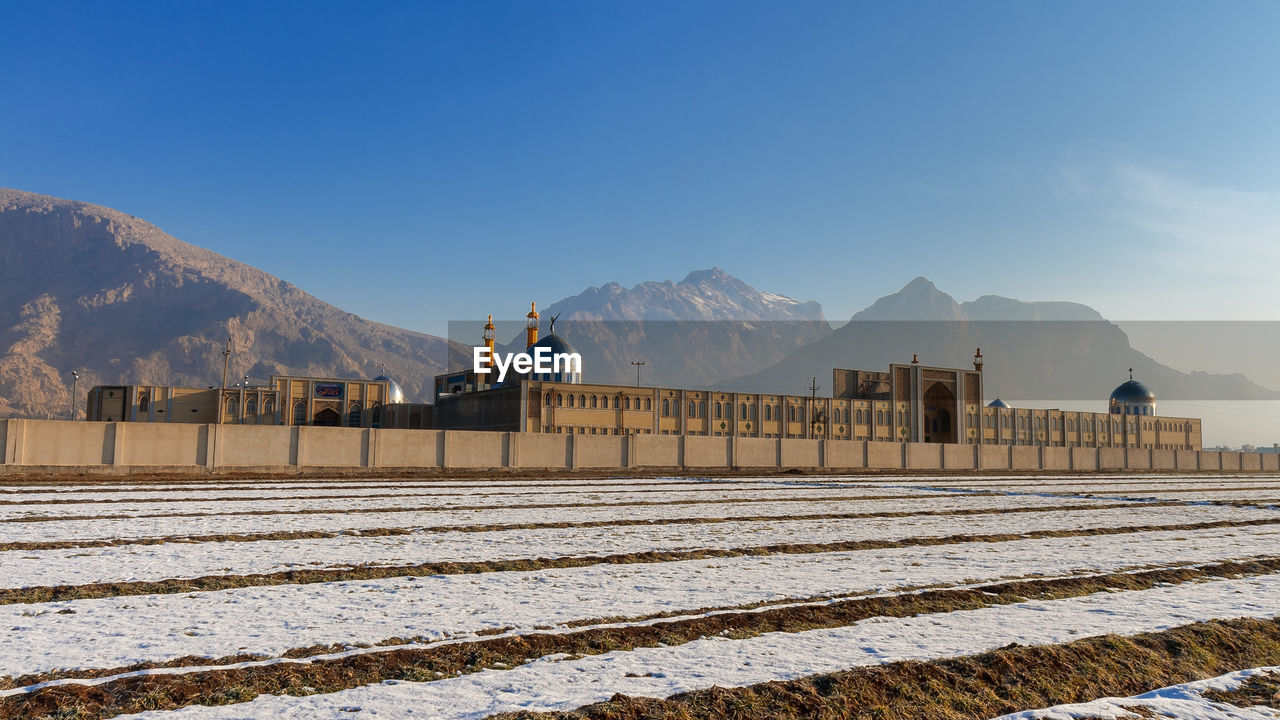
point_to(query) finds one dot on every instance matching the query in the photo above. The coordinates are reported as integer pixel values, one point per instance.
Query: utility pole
(637, 363)
(813, 404)
(75, 376)
(226, 360)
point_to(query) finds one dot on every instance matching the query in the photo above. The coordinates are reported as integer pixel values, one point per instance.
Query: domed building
(1132, 398)
(555, 345)
(998, 403)
(395, 395)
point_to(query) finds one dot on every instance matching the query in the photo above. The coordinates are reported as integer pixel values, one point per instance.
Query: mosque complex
(911, 402)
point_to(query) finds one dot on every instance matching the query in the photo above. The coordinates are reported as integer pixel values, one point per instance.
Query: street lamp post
(75, 377)
(637, 363)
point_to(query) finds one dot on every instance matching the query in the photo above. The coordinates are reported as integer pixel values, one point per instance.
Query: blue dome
(558, 346)
(553, 342)
(998, 403)
(394, 394)
(1132, 398)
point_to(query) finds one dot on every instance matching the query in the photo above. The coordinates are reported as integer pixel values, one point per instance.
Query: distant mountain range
(703, 295)
(1033, 350)
(92, 289)
(696, 332)
(88, 288)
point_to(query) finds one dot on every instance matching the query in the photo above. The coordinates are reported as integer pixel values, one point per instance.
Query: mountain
(89, 288)
(691, 333)
(704, 295)
(1033, 350)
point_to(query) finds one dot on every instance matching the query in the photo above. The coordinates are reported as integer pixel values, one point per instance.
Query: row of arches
(233, 407)
(597, 402)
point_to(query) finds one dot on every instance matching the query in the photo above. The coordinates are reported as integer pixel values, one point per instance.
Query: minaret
(531, 330)
(488, 338)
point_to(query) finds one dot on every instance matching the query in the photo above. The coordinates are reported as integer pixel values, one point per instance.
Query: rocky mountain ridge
(88, 288)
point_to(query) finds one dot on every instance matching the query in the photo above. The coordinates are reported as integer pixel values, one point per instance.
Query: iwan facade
(909, 403)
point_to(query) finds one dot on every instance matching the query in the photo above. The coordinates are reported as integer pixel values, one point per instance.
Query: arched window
(768, 412)
(354, 416)
(300, 413)
(548, 400)
(233, 409)
(251, 407)
(648, 404)
(616, 402)
(595, 402)
(582, 402)
(742, 411)
(880, 417)
(791, 413)
(375, 418)
(718, 416)
(269, 407)
(702, 409)
(627, 404)
(666, 407)
(800, 414)
(559, 400)
(753, 411)
(144, 403)
(570, 399)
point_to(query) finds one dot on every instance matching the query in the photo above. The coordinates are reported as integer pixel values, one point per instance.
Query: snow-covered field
(104, 632)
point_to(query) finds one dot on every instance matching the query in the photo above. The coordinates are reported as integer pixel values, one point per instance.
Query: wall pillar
(16, 440)
(299, 445)
(513, 449)
(212, 446)
(117, 443)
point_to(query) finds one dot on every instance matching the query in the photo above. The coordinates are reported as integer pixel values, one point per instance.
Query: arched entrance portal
(939, 405)
(328, 417)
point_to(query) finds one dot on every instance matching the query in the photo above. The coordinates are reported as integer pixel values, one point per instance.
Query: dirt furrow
(1246, 643)
(50, 593)
(1011, 679)
(493, 527)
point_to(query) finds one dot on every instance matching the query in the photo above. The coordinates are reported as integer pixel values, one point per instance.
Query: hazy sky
(475, 156)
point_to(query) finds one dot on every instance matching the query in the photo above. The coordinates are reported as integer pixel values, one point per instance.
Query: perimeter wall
(153, 446)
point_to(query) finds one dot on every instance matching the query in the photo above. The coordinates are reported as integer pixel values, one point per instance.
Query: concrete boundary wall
(182, 447)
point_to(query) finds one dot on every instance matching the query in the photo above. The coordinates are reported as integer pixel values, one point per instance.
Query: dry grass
(1261, 689)
(52, 593)
(620, 522)
(1007, 680)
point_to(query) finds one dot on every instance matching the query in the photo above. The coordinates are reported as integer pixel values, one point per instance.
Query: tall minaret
(488, 337)
(531, 330)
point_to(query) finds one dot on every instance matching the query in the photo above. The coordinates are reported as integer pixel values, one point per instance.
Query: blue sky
(1125, 155)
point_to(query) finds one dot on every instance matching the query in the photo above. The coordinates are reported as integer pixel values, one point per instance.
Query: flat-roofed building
(285, 400)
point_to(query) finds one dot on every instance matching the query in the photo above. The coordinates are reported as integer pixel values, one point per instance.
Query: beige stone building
(285, 400)
(911, 402)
